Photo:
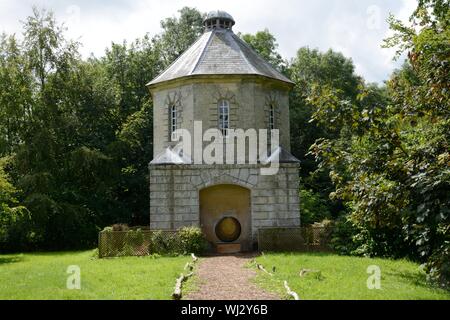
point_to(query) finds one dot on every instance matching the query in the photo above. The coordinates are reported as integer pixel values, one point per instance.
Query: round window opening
(228, 229)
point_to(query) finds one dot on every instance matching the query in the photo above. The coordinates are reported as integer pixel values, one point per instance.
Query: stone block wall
(198, 101)
(174, 194)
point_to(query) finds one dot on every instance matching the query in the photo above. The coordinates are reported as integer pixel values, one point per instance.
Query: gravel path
(227, 278)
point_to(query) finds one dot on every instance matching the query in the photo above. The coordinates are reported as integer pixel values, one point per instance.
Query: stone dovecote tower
(223, 83)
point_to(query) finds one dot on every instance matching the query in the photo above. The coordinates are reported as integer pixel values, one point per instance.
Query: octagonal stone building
(223, 83)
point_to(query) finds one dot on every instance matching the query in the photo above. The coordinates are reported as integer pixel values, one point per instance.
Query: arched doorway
(225, 215)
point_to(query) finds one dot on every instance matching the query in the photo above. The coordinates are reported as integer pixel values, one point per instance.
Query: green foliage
(192, 240)
(117, 242)
(134, 239)
(179, 33)
(79, 133)
(14, 219)
(313, 207)
(266, 45)
(165, 244)
(185, 241)
(309, 69)
(389, 160)
(438, 266)
(16, 88)
(343, 236)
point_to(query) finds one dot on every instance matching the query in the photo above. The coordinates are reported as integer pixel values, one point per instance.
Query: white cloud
(387, 54)
(353, 27)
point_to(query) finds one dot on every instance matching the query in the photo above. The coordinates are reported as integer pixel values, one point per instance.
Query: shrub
(165, 243)
(192, 240)
(135, 243)
(313, 207)
(342, 236)
(438, 266)
(349, 239)
(15, 231)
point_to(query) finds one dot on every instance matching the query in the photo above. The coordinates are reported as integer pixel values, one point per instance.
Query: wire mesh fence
(138, 243)
(308, 238)
(145, 242)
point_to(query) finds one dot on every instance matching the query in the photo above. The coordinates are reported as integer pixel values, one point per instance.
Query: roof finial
(218, 20)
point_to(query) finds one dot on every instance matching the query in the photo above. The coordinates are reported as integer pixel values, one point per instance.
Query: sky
(354, 27)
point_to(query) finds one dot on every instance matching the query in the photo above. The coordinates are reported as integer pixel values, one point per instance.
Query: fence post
(100, 245)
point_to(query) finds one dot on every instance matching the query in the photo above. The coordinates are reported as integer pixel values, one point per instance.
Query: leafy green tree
(16, 94)
(80, 132)
(313, 207)
(308, 69)
(178, 34)
(266, 45)
(422, 99)
(129, 68)
(391, 161)
(15, 220)
(64, 177)
(311, 68)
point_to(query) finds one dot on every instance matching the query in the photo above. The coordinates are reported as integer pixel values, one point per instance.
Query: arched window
(173, 122)
(224, 116)
(271, 117)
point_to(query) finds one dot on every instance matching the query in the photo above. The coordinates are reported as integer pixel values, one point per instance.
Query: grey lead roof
(219, 14)
(281, 155)
(219, 52)
(170, 156)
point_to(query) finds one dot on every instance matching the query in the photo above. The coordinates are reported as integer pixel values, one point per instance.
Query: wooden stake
(176, 295)
(260, 267)
(303, 272)
(290, 292)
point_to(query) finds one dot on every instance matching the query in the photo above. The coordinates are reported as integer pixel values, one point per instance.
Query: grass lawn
(43, 276)
(344, 277)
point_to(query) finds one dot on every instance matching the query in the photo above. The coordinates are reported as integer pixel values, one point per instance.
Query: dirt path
(227, 278)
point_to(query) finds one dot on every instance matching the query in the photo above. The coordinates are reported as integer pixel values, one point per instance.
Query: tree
(421, 97)
(64, 176)
(178, 34)
(390, 162)
(309, 69)
(79, 133)
(16, 94)
(266, 45)
(15, 221)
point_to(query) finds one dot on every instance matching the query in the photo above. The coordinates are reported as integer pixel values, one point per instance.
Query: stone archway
(225, 212)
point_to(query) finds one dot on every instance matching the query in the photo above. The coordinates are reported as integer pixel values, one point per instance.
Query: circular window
(228, 229)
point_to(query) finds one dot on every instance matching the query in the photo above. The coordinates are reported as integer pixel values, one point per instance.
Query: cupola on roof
(218, 19)
(219, 52)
